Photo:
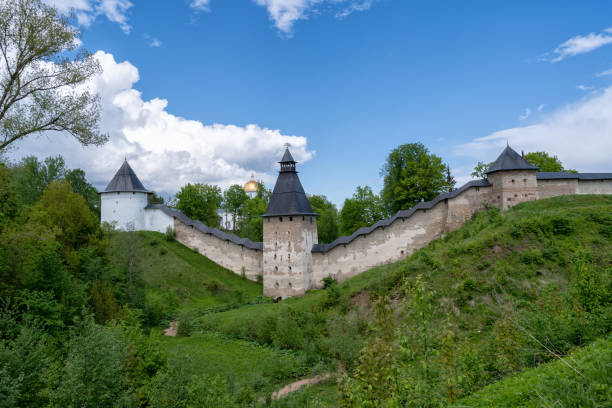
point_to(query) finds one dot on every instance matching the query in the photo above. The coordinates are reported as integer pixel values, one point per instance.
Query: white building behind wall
(124, 203)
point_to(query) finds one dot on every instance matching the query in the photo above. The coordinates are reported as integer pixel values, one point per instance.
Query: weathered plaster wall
(236, 258)
(463, 207)
(509, 188)
(383, 245)
(554, 188)
(287, 255)
(156, 220)
(125, 209)
(594, 187)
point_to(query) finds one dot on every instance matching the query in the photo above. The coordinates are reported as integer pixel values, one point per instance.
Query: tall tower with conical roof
(289, 232)
(513, 179)
(123, 201)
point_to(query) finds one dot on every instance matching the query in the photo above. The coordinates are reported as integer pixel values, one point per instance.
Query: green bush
(170, 234)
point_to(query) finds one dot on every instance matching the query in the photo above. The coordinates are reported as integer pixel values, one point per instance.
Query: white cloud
(200, 5)
(540, 107)
(165, 150)
(285, 13)
(604, 73)
(580, 134)
(526, 114)
(581, 44)
(584, 87)
(86, 11)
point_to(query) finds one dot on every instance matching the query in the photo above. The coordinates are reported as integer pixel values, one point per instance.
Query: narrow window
(513, 180)
(281, 219)
(289, 269)
(276, 270)
(290, 218)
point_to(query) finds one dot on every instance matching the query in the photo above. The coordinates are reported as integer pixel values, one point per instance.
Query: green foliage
(362, 210)
(250, 223)
(480, 170)
(234, 199)
(65, 212)
(41, 85)
(93, 373)
(581, 380)
(327, 221)
(200, 202)
(411, 175)
(546, 162)
(170, 234)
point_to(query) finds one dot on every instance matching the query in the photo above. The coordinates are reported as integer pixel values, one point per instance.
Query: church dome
(251, 186)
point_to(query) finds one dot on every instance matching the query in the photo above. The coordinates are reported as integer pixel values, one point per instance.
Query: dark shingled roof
(426, 205)
(200, 226)
(288, 197)
(125, 180)
(287, 157)
(510, 160)
(562, 175)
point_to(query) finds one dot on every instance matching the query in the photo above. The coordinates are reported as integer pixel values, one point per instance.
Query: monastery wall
(594, 187)
(235, 257)
(398, 240)
(553, 188)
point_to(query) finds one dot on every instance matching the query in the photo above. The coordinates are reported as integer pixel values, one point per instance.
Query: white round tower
(123, 201)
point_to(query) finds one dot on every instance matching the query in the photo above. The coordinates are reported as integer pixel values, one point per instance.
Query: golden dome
(251, 186)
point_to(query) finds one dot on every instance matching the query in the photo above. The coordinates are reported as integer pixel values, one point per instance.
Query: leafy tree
(362, 210)
(200, 202)
(66, 212)
(546, 162)
(93, 373)
(250, 224)
(233, 200)
(78, 182)
(40, 84)
(8, 196)
(327, 221)
(153, 198)
(481, 169)
(411, 175)
(450, 180)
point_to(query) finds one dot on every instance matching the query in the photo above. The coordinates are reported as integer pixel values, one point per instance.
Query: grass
(509, 289)
(241, 363)
(177, 276)
(588, 383)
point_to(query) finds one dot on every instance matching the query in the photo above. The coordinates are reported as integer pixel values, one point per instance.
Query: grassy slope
(555, 384)
(515, 255)
(180, 276)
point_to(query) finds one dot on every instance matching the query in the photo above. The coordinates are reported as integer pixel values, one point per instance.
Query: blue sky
(349, 79)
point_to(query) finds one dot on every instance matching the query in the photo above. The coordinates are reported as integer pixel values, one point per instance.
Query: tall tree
(450, 180)
(327, 221)
(411, 175)
(480, 170)
(546, 162)
(41, 84)
(362, 210)
(200, 202)
(233, 200)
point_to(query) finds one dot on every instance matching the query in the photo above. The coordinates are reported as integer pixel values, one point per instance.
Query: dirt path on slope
(173, 329)
(294, 386)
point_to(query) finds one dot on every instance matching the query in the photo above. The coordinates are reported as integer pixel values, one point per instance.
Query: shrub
(170, 234)
(185, 326)
(328, 281)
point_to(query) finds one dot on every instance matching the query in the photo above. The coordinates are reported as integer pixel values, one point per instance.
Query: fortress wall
(157, 220)
(234, 257)
(381, 246)
(553, 188)
(463, 207)
(594, 187)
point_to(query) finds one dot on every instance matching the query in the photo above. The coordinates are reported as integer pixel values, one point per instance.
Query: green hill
(503, 294)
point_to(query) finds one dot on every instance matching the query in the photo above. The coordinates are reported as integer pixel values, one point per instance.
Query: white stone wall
(157, 220)
(236, 258)
(123, 208)
(594, 187)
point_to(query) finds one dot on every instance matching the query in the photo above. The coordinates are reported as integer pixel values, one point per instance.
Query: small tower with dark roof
(123, 201)
(289, 232)
(513, 179)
